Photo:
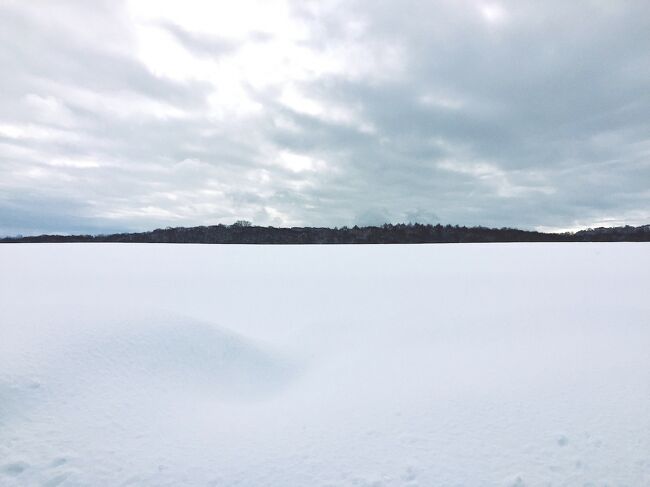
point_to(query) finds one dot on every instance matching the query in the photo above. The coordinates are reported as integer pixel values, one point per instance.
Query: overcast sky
(140, 114)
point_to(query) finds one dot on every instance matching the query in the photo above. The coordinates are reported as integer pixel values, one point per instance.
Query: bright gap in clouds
(248, 44)
(493, 13)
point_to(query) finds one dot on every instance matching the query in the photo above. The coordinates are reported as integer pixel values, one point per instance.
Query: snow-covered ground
(432, 365)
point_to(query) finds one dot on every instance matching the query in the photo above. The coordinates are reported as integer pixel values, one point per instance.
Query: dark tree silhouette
(243, 232)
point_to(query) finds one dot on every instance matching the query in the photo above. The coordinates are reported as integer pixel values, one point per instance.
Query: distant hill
(245, 233)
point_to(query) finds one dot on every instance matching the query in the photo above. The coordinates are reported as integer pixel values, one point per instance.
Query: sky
(140, 114)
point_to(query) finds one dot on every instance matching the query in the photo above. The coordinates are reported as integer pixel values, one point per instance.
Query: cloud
(136, 114)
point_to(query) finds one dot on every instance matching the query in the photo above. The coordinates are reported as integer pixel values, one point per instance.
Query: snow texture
(433, 365)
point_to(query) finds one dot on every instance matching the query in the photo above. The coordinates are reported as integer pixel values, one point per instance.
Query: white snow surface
(429, 365)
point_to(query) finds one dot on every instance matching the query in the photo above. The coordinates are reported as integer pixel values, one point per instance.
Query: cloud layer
(134, 115)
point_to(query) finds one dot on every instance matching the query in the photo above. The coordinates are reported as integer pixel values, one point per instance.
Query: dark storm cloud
(531, 114)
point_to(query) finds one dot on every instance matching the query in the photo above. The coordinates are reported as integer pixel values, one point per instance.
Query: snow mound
(180, 352)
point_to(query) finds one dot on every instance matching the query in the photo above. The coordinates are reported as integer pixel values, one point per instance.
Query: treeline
(244, 233)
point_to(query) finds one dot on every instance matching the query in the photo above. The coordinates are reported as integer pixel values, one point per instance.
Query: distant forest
(244, 232)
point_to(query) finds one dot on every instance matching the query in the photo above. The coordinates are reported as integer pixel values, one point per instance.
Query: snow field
(432, 365)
